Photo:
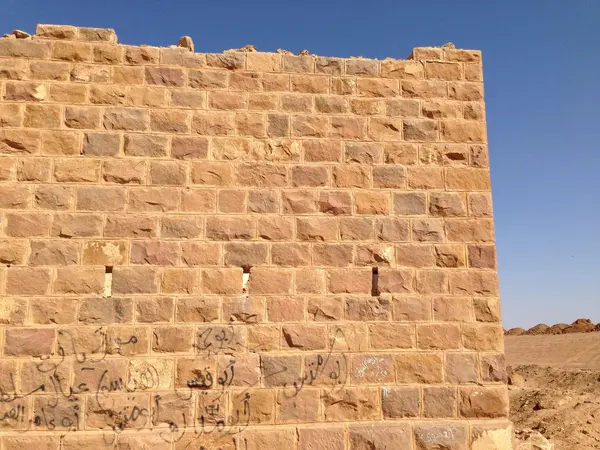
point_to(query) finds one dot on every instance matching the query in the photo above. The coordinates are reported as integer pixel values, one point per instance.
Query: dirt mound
(558, 328)
(579, 326)
(562, 405)
(515, 332)
(540, 328)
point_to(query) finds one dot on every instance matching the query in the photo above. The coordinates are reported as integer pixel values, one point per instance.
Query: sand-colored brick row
(245, 250)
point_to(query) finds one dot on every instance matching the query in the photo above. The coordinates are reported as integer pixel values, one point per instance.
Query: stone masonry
(245, 250)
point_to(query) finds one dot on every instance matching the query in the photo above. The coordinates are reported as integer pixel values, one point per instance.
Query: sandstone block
(341, 281)
(29, 92)
(154, 309)
(106, 311)
(348, 127)
(437, 70)
(362, 67)
(129, 119)
(275, 228)
(461, 368)
(76, 225)
(227, 60)
(180, 281)
(324, 309)
(391, 68)
(484, 337)
(298, 103)
(439, 402)
(54, 197)
(41, 116)
(11, 115)
(453, 309)
(483, 402)
(377, 87)
(310, 281)
(397, 403)
(197, 309)
(330, 438)
(433, 436)
(373, 202)
(278, 438)
(15, 197)
(53, 253)
(411, 308)
(391, 336)
(438, 337)
(349, 404)
(356, 228)
(316, 229)
(343, 85)
(463, 131)
(101, 144)
(367, 106)
(348, 176)
(363, 153)
(27, 224)
(423, 368)
(21, 48)
(336, 203)
(423, 89)
(372, 369)
(134, 280)
(270, 281)
(222, 281)
(29, 341)
(391, 230)
(263, 62)
(292, 255)
(79, 280)
(53, 143)
(299, 202)
(367, 437)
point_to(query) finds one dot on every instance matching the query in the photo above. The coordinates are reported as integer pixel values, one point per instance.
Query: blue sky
(541, 68)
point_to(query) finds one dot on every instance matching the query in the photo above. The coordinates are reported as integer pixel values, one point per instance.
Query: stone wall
(244, 250)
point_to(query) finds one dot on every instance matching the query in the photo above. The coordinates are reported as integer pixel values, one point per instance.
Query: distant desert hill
(579, 326)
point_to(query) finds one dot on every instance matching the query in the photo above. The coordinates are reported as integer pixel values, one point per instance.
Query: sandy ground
(555, 387)
(567, 351)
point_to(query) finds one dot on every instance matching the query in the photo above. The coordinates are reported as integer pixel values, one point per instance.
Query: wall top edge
(446, 52)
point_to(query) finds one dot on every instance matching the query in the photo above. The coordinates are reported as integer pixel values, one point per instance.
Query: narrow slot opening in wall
(375, 282)
(108, 281)
(245, 279)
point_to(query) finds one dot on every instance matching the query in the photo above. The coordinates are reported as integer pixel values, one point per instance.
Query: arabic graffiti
(210, 393)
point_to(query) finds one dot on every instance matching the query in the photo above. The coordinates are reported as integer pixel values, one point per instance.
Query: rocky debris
(532, 440)
(579, 326)
(246, 49)
(554, 408)
(186, 42)
(448, 45)
(303, 53)
(19, 34)
(516, 379)
(283, 52)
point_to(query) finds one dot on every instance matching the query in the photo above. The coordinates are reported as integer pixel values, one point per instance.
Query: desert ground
(554, 383)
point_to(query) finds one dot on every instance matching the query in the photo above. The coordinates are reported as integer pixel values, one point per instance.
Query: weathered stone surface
(292, 251)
